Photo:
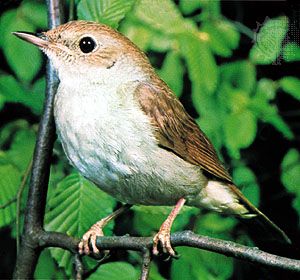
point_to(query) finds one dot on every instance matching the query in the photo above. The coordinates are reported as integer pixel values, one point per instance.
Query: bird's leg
(97, 230)
(163, 235)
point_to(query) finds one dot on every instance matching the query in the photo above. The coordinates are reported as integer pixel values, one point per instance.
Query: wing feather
(175, 129)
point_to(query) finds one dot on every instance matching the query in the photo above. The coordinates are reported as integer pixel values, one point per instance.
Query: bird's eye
(87, 44)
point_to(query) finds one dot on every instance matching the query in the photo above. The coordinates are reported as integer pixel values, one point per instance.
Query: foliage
(230, 99)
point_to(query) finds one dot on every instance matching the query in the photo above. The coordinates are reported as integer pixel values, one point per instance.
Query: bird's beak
(38, 39)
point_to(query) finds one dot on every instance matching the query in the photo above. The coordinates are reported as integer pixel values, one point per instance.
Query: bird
(123, 128)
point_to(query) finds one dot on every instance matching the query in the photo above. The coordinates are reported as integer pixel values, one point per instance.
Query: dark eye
(87, 44)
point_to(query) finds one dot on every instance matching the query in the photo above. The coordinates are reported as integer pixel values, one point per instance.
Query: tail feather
(270, 228)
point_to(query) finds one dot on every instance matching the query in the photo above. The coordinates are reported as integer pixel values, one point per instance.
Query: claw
(91, 236)
(163, 238)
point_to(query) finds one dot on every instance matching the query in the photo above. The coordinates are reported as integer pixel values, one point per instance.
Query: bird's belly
(120, 155)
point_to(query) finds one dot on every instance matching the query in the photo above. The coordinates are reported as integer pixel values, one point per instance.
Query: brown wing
(176, 130)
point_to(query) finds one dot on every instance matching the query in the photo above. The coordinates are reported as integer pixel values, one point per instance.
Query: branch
(35, 208)
(184, 238)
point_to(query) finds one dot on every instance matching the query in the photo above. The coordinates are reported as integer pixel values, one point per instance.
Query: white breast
(110, 141)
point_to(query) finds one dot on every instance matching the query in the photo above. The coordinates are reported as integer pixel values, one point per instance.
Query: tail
(255, 216)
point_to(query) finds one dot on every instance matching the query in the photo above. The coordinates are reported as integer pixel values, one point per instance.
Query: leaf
(291, 52)
(148, 219)
(23, 58)
(21, 149)
(115, 271)
(268, 41)
(200, 264)
(75, 206)
(201, 64)
(291, 85)
(240, 74)
(239, 131)
(246, 180)
(46, 267)
(215, 225)
(10, 179)
(265, 90)
(109, 12)
(172, 72)
(13, 91)
(290, 175)
(187, 6)
(163, 16)
(223, 36)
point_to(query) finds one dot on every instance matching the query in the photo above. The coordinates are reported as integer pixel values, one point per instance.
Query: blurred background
(235, 67)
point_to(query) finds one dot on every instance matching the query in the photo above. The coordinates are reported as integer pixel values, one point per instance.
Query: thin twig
(78, 267)
(19, 200)
(146, 265)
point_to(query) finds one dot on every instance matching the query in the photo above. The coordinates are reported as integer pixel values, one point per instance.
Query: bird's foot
(162, 238)
(91, 236)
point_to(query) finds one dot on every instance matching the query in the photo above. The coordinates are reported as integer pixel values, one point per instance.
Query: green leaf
(240, 74)
(268, 41)
(201, 64)
(187, 6)
(246, 180)
(215, 225)
(10, 179)
(223, 36)
(109, 12)
(46, 267)
(74, 207)
(290, 175)
(239, 131)
(23, 58)
(291, 52)
(115, 271)
(291, 85)
(35, 12)
(13, 91)
(265, 90)
(172, 72)
(200, 264)
(163, 16)
(148, 219)
(21, 149)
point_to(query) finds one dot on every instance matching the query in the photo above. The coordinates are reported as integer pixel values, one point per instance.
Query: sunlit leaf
(223, 36)
(291, 85)
(109, 12)
(188, 6)
(291, 52)
(241, 74)
(75, 206)
(167, 18)
(268, 41)
(201, 64)
(239, 131)
(172, 72)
